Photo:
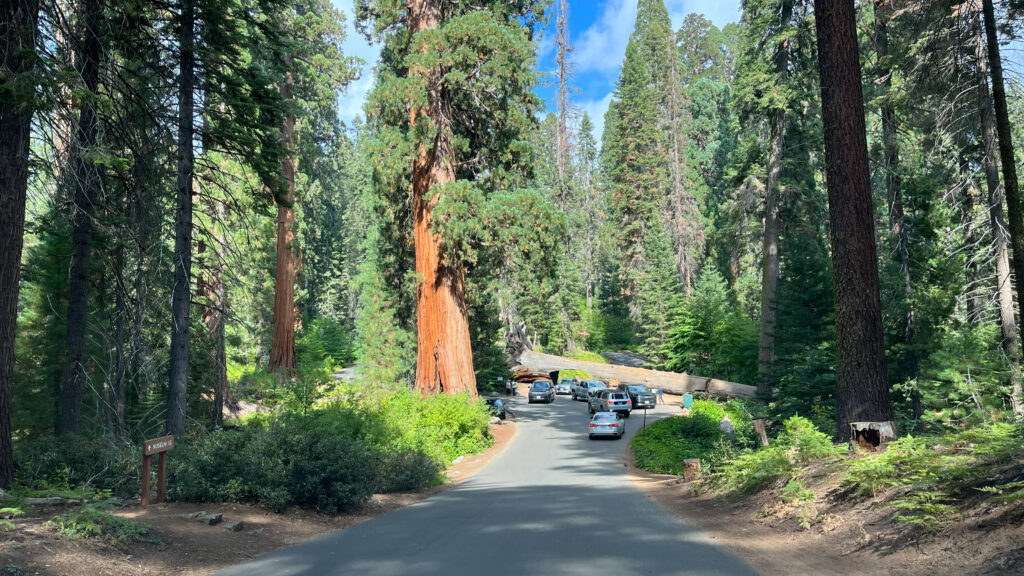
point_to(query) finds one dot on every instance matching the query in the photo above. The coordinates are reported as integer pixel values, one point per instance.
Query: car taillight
(592, 425)
(613, 424)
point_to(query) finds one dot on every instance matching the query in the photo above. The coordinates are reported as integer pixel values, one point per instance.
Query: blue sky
(599, 31)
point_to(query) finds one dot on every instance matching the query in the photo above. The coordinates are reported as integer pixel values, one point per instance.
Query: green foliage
(929, 510)
(335, 455)
(288, 460)
(800, 443)
(92, 521)
(586, 356)
(795, 492)
(76, 467)
(662, 446)
(6, 514)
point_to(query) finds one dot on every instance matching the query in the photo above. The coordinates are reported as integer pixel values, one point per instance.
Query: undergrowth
(92, 521)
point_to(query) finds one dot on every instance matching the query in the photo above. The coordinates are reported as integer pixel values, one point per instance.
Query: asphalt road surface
(553, 502)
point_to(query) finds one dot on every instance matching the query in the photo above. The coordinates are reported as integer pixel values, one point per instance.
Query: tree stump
(691, 469)
(871, 435)
(759, 428)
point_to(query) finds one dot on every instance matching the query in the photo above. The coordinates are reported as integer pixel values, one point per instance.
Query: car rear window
(605, 418)
(541, 385)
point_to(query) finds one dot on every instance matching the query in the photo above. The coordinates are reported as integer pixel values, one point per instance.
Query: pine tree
(862, 389)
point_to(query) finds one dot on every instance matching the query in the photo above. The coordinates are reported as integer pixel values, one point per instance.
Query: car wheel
(627, 414)
(591, 436)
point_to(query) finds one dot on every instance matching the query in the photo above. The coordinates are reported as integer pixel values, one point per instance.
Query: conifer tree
(451, 110)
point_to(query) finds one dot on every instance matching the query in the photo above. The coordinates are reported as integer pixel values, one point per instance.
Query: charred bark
(444, 362)
(862, 389)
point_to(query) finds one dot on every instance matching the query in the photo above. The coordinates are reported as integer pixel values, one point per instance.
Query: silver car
(564, 386)
(606, 424)
(610, 401)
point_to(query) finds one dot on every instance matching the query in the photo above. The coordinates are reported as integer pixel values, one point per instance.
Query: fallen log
(670, 382)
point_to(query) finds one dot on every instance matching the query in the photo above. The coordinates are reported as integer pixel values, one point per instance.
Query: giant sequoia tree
(451, 111)
(862, 390)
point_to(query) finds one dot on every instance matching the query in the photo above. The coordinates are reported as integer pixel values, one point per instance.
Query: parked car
(581, 390)
(641, 396)
(496, 406)
(564, 386)
(610, 401)
(606, 424)
(541, 391)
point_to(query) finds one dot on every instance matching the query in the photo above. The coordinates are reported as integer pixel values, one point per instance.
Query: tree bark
(770, 244)
(18, 28)
(862, 389)
(894, 196)
(444, 362)
(213, 316)
(282, 350)
(181, 295)
(86, 178)
(1010, 184)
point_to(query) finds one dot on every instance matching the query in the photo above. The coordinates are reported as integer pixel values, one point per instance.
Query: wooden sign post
(156, 446)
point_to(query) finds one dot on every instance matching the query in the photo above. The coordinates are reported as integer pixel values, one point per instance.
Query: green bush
(662, 446)
(801, 442)
(63, 466)
(292, 460)
(91, 521)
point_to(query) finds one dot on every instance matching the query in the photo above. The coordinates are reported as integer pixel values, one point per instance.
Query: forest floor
(189, 547)
(836, 535)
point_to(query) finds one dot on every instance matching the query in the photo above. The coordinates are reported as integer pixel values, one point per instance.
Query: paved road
(553, 502)
(626, 358)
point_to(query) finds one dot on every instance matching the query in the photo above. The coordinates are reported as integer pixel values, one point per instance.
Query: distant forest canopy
(201, 228)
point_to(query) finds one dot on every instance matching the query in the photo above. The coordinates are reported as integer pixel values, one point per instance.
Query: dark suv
(641, 396)
(541, 391)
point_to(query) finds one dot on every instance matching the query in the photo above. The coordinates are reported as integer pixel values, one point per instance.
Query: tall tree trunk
(86, 178)
(116, 399)
(894, 194)
(444, 362)
(770, 245)
(685, 227)
(213, 291)
(181, 295)
(282, 350)
(562, 101)
(18, 22)
(1010, 183)
(862, 389)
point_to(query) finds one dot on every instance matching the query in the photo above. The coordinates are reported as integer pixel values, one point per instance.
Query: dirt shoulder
(189, 547)
(833, 535)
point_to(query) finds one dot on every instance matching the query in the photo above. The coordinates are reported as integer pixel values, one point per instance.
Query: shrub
(752, 469)
(64, 466)
(292, 460)
(91, 521)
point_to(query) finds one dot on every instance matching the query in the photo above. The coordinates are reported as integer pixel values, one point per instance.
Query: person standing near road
(508, 388)
(661, 396)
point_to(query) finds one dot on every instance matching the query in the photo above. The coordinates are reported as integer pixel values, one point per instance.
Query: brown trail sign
(155, 446)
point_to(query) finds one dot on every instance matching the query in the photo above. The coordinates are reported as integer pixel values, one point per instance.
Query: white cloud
(596, 109)
(602, 46)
